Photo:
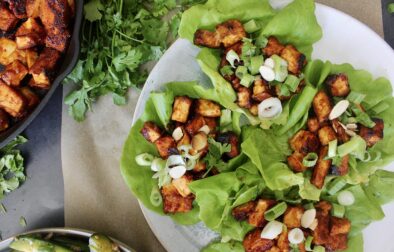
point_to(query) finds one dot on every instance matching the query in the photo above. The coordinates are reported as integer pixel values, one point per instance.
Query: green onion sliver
(363, 117)
(231, 57)
(309, 206)
(261, 41)
(255, 63)
(336, 185)
(308, 243)
(241, 71)
(292, 82)
(319, 249)
(310, 159)
(355, 97)
(247, 80)
(332, 148)
(251, 26)
(155, 197)
(356, 146)
(226, 70)
(144, 159)
(338, 210)
(275, 212)
(383, 106)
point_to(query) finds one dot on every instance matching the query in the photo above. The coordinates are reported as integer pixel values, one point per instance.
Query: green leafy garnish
(215, 153)
(390, 8)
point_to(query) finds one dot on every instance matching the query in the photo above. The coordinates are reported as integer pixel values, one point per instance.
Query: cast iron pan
(68, 63)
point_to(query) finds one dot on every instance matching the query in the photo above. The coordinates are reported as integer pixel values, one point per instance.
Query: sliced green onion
(319, 249)
(241, 71)
(231, 57)
(261, 41)
(284, 90)
(383, 106)
(346, 198)
(356, 146)
(226, 70)
(309, 206)
(390, 8)
(251, 26)
(275, 212)
(292, 82)
(308, 243)
(155, 197)
(247, 80)
(248, 49)
(355, 97)
(338, 210)
(367, 157)
(310, 159)
(336, 185)
(255, 63)
(363, 117)
(332, 148)
(144, 159)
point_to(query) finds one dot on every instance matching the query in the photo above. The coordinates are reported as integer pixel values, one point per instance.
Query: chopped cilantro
(214, 157)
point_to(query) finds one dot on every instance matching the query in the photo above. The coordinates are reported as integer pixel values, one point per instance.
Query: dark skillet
(68, 62)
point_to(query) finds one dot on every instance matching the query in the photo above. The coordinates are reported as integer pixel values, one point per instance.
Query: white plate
(345, 40)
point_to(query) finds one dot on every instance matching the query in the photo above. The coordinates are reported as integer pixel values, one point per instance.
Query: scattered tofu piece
(244, 96)
(313, 124)
(151, 132)
(339, 226)
(254, 243)
(14, 73)
(232, 139)
(173, 202)
(296, 60)
(242, 212)
(343, 137)
(256, 218)
(7, 51)
(322, 106)
(261, 90)
(32, 100)
(273, 47)
(11, 101)
(292, 216)
(44, 68)
(338, 85)
(321, 168)
(7, 20)
(304, 142)
(194, 125)
(182, 185)
(207, 108)
(295, 162)
(181, 109)
(321, 233)
(283, 241)
(326, 135)
(372, 135)
(166, 146)
(18, 7)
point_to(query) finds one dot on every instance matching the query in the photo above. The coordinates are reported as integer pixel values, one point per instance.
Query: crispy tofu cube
(194, 125)
(231, 139)
(372, 135)
(339, 226)
(7, 51)
(181, 109)
(30, 34)
(33, 8)
(343, 168)
(207, 108)
(27, 41)
(326, 135)
(237, 47)
(201, 166)
(244, 96)
(182, 185)
(338, 85)
(11, 101)
(256, 218)
(337, 242)
(242, 212)
(321, 168)
(59, 41)
(343, 137)
(206, 38)
(44, 68)
(14, 73)
(254, 109)
(166, 146)
(313, 124)
(31, 57)
(7, 20)
(295, 162)
(296, 60)
(4, 120)
(30, 26)
(230, 32)
(261, 90)
(18, 7)
(273, 47)
(283, 241)
(321, 233)
(32, 100)
(304, 142)
(292, 216)
(254, 243)
(151, 132)
(322, 106)
(173, 202)
(324, 207)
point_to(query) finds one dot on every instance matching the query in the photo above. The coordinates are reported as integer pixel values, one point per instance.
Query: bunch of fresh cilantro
(11, 167)
(118, 37)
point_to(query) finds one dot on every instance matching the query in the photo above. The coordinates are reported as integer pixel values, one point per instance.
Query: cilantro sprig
(118, 37)
(214, 157)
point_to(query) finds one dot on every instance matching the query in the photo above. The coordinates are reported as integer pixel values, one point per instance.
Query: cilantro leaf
(92, 10)
(214, 157)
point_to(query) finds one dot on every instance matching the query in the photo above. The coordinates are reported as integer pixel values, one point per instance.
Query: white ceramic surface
(345, 40)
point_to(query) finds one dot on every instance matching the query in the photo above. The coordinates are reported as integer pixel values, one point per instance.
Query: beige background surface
(96, 198)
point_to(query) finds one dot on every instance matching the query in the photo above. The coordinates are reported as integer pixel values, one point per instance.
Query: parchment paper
(96, 198)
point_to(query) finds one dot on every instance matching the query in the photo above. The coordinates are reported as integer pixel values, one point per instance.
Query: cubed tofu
(182, 184)
(338, 85)
(342, 136)
(292, 216)
(321, 233)
(33, 8)
(322, 106)
(256, 218)
(231, 139)
(30, 26)
(200, 167)
(283, 241)
(18, 7)
(32, 99)
(185, 140)
(326, 135)
(4, 120)
(321, 168)
(237, 47)
(242, 212)
(313, 124)
(323, 207)
(295, 60)
(7, 51)
(254, 109)
(339, 226)
(30, 34)
(173, 202)
(236, 83)
(166, 146)
(194, 125)
(273, 47)
(12, 101)
(7, 20)
(31, 57)
(261, 90)
(295, 162)
(206, 38)
(181, 109)
(372, 135)
(304, 142)
(44, 68)
(151, 132)
(207, 108)
(254, 243)
(244, 96)
(14, 73)
(337, 242)
(230, 32)
(343, 168)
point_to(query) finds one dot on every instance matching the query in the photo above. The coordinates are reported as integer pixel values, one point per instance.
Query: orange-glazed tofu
(206, 38)
(313, 124)
(194, 125)
(261, 90)
(33, 8)
(30, 34)
(322, 106)
(321, 168)
(339, 226)
(151, 132)
(256, 218)
(182, 184)
(372, 135)
(7, 51)
(244, 96)
(273, 47)
(32, 100)
(181, 109)
(324, 207)
(7, 20)
(338, 85)
(326, 135)
(11, 101)
(295, 162)
(173, 202)
(31, 57)
(304, 142)
(166, 146)
(231, 139)
(321, 233)
(207, 108)
(292, 216)
(254, 243)
(4, 120)
(14, 73)
(44, 68)
(242, 212)
(18, 7)
(295, 60)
